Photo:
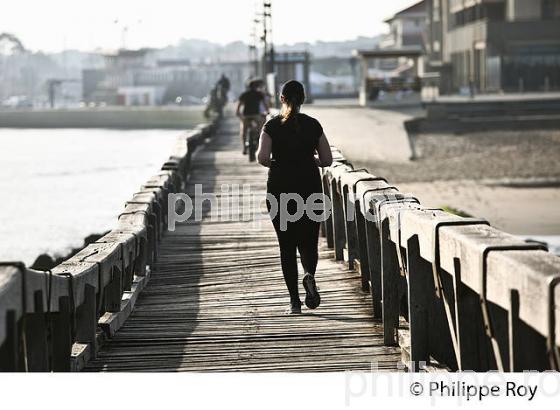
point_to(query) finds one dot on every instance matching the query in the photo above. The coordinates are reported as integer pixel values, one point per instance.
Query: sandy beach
(511, 178)
(520, 211)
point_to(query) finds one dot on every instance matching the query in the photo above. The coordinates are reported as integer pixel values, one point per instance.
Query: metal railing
(451, 291)
(55, 321)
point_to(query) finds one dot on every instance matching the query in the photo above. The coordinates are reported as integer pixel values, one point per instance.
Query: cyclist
(224, 85)
(249, 108)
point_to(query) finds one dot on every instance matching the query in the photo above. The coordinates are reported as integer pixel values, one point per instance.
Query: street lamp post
(268, 47)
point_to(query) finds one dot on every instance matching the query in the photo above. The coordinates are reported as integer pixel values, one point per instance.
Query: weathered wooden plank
(216, 295)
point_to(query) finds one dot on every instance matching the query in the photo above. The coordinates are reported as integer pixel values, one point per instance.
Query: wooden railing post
(86, 320)
(36, 336)
(339, 225)
(389, 286)
(361, 245)
(142, 258)
(62, 336)
(9, 350)
(374, 262)
(328, 223)
(128, 269)
(419, 290)
(350, 228)
(113, 291)
(470, 327)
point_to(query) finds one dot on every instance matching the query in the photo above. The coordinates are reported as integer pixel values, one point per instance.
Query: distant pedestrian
(224, 86)
(213, 104)
(294, 146)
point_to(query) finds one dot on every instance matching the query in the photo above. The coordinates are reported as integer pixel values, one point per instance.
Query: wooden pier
(216, 296)
(402, 285)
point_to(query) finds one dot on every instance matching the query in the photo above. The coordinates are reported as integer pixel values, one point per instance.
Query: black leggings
(302, 235)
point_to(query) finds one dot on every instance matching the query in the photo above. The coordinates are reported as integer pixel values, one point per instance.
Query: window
(435, 10)
(495, 12)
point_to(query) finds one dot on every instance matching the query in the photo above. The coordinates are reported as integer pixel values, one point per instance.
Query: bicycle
(252, 131)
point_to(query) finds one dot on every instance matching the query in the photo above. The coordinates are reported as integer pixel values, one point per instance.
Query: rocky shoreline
(46, 262)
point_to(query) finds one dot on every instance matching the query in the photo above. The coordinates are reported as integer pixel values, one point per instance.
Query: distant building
(138, 77)
(407, 27)
(494, 45)
(407, 30)
(390, 74)
(334, 77)
(114, 84)
(138, 95)
(288, 66)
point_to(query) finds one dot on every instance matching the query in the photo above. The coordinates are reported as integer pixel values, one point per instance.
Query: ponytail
(294, 96)
(289, 113)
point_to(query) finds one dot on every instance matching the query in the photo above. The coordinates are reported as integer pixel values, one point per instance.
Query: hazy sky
(87, 24)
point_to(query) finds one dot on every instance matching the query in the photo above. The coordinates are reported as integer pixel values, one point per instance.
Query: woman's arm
(324, 152)
(265, 149)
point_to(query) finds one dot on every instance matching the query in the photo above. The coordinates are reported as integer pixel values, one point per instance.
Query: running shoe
(312, 297)
(294, 308)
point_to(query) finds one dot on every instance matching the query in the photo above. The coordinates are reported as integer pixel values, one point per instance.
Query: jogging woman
(294, 146)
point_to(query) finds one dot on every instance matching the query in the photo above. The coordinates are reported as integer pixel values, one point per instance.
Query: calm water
(59, 186)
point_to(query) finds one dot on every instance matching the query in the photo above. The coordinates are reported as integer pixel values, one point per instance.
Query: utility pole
(254, 46)
(266, 38)
(268, 34)
(266, 64)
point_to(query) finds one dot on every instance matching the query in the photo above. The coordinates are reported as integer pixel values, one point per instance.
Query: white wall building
(407, 27)
(138, 95)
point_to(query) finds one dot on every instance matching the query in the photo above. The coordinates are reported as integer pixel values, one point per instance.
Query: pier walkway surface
(216, 296)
